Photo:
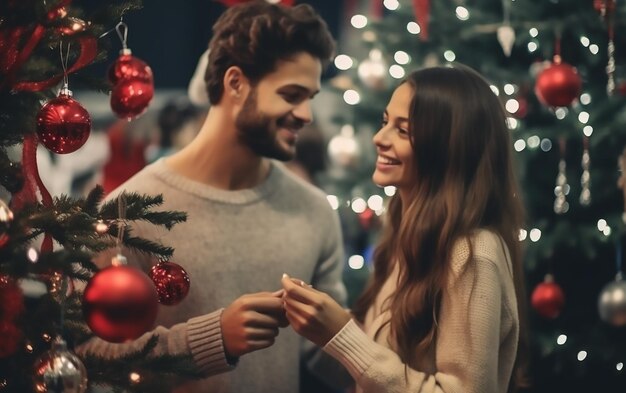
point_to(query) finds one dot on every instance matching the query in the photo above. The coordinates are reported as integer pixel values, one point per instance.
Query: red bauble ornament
(10, 338)
(558, 85)
(63, 125)
(128, 66)
(120, 303)
(548, 298)
(607, 5)
(171, 281)
(622, 88)
(131, 97)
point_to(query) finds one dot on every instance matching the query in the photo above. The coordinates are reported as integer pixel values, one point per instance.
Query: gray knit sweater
(233, 243)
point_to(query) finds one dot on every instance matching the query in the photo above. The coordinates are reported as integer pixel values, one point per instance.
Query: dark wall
(171, 35)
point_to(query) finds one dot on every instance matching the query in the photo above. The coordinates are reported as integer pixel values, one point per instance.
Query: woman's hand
(311, 313)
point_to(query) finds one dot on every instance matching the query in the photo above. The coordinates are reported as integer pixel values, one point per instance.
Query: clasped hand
(311, 313)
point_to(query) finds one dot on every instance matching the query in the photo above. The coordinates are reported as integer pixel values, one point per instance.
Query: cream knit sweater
(476, 339)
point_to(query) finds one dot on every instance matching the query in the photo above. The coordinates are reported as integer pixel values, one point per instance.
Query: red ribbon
(421, 8)
(32, 183)
(88, 52)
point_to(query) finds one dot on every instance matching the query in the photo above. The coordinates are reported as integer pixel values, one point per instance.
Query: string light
(351, 97)
(495, 89)
(594, 49)
(587, 130)
(533, 142)
(413, 28)
(462, 13)
(584, 41)
(343, 62)
(391, 5)
(582, 355)
(509, 89)
(401, 57)
(333, 201)
(532, 46)
(533, 32)
(358, 21)
(396, 71)
(535, 235)
(358, 205)
(390, 190)
(522, 235)
(560, 113)
(585, 99)
(356, 262)
(519, 145)
(562, 339)
(583, 117)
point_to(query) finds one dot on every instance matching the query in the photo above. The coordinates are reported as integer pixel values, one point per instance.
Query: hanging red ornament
(131, 97)
(366, 218)
(120, 303)
(171, 282)
(548, 298)
(128, 66)
(63, 125)
(604, 6)
(10, 338)
(558, 85)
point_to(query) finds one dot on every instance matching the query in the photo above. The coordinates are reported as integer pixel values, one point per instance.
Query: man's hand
(251, 322)
(312, 314)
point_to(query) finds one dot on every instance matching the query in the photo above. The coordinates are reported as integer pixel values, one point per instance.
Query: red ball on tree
(120, 303)
(558, 85)
(606, 5)
(171, 282)
(128, 66)
(63, 125)
(548, 298)
(131, 97)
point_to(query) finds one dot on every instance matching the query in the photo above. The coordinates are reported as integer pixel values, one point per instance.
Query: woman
(444, 308)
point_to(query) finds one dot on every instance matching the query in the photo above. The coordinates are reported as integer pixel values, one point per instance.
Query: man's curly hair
(257, 34)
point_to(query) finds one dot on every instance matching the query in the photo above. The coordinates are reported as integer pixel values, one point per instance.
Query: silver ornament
(60, 371)
(612, 302)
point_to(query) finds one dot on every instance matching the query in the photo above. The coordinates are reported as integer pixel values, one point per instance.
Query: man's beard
(258, 130)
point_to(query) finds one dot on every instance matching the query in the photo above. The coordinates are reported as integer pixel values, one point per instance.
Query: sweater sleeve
(467, 343)
(200, 337)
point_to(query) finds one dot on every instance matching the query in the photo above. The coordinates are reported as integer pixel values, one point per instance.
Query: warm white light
(560, 113)
(390, 190)
(619, 366)
(356, 262)
(562, 339)
(533, 142)
(495, 90)
(375, 202)
(587, 130)
(413, 28)
(585, 41)
(533, 32)
(601, 224)
(391, 5)
(512, 105)
(535, 235)
(532, 46)
(396, 71)
(32, 255)
(519, 145)
(594, 49)
(607, 231)
(546, 144)
(449, 55)
(333, 201)
(512, 123)
(582, 355)
(359, 21)
(462, 13)
(523, 234)
(401, 57)
(343, 62)
(585, 98)
(351, 97)
(134, 377)
(509, 89)
(583, 117)
(358, 205)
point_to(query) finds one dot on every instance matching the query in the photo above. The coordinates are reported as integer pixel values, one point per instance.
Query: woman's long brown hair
(464, 181)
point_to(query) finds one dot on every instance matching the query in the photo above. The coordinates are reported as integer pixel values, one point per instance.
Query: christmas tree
(558, 67)
(47, 244)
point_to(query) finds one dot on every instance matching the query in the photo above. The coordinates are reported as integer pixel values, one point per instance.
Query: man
(249, 220)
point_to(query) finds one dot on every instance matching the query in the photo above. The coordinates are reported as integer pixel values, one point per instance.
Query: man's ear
(235, 82)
